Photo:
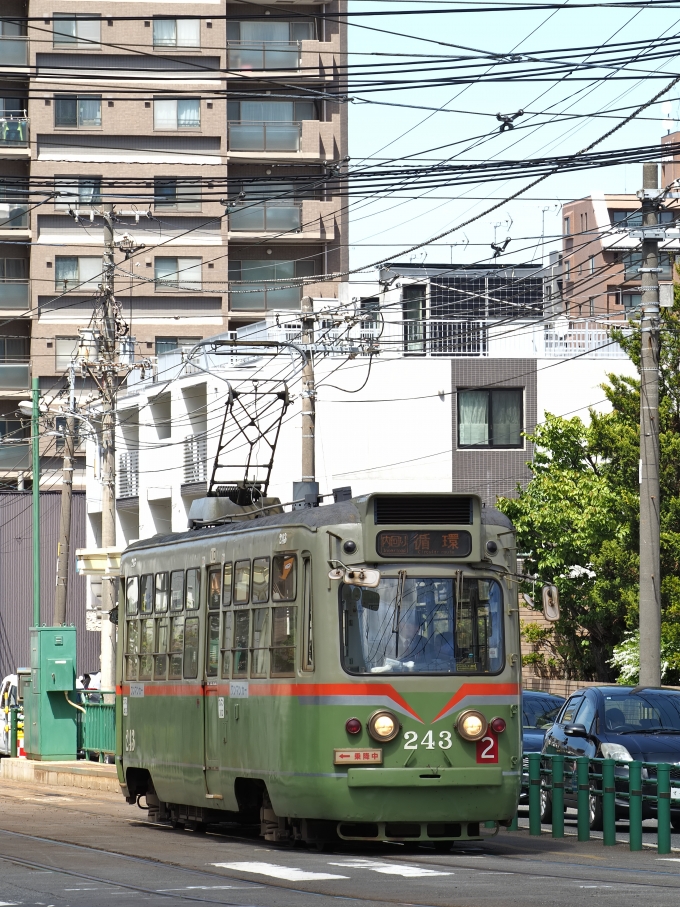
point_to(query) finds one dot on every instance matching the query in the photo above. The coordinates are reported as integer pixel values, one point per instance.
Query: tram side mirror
(356, 576)
(551, 603)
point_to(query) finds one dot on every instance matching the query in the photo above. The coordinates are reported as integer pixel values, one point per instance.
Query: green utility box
(50, 725)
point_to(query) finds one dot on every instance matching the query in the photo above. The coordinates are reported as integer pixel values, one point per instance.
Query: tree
(578, 518)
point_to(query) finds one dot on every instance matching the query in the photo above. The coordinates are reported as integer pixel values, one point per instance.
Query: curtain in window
(90, 270)
(89, 192)
(166, 269)
(188, 113)
(89, 31)
(165, 114)
(165, 32)
(258, 32)
(267, 111)
(66, 269)
(507, 418)
(89, 112)
(188, 33)
(473, 414)
(190, 275)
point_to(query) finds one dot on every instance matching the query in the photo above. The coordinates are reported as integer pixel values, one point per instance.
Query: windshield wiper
(649, 730)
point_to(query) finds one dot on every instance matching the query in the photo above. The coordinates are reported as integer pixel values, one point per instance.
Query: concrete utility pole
(308, 395)
(66, 500)
(35, 478)
(650, 563)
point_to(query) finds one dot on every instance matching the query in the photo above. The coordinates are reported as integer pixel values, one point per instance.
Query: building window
(591, 262)
(14, 349)
(178, 273)
(77, 30)
(176, 113)
(632, 262)
(567, 270)
(490, 418)
(82, 272)
(65, 349)
(78, 112)
(13, 429)
(177, 195)
(413, 313)
(252, 293)
(13, 108)
(176, 32)
(13, 269)
(262, 32)
(567, 226)
(170, 344)
(591, 305)
(262, 111)
(77, 192)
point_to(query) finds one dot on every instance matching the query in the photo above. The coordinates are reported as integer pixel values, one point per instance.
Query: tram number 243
(487, 747)
(129, 741)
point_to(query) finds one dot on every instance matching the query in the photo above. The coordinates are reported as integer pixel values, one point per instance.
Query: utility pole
(650, 562)
(308, 394)
(35, 473)
(63, 552)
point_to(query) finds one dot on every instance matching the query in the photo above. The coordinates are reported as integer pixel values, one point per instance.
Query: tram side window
(160, 660)
(226, 643)
(161, 600)
(260, 651)
(193, 598)
(283, 642)
(226, 586)
(284, 578)
(191, 648)
(241, 642)
(132, 594)
(176, 647)
(146, 597)
(177, 590)
(241, 583)
(146, 647)
(214, 595)
(260, 580)
(213, 645)
(132, 650)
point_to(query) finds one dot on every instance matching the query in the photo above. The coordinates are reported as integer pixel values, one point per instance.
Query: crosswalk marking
(279, 872)
(411, 872)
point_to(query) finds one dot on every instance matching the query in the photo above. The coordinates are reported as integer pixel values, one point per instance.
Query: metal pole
(608, 802)
(308, 394)
(534, 793)
(558, 796)
(635, 805)
(108, 384)
(650, 565)
(663, 808)
(35, 475)
(65, 520)
(583, 797)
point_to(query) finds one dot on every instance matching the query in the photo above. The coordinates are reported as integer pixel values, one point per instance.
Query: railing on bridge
(599, 783)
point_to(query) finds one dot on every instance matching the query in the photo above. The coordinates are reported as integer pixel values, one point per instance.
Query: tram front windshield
(423, 625)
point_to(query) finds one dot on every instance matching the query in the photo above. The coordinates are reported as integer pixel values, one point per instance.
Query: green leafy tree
(578, 518)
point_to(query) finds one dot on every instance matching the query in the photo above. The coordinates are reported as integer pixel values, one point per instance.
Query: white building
(408, 417)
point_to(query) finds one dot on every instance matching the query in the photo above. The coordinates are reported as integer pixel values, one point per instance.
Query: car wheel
(546, 806)
(675, 822)
(595, 812)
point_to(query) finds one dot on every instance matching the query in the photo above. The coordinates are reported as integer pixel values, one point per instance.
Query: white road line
(668, 859)
(211, 888)
(278, 872)
(391, 869)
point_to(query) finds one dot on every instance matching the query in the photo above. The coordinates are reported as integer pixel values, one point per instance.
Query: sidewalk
(86, 775)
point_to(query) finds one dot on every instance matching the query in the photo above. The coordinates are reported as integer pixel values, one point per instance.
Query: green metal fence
(97, 726)
(599, 784)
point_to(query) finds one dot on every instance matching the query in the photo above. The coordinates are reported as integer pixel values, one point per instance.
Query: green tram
(348, 671)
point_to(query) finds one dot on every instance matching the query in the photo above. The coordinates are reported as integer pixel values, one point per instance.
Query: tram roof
(313, 517)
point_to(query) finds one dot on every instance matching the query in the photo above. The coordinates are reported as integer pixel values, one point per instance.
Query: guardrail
(97, 724)
(598, 778)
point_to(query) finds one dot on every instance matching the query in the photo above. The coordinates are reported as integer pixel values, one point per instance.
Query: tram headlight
(471, 725)
(383, 726)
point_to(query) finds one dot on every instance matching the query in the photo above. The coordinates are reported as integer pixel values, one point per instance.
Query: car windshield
(642, 712)
(540, 712)
(418, 625)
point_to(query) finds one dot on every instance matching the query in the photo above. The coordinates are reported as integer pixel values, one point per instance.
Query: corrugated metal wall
(16, 579)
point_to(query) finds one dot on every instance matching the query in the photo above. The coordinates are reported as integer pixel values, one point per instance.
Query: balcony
(271, 136)
(13, 216)
(14, 294)
(256, 56)
(269, 217)
(13, 51)
(253, 297)
(15, 376)
(14, 456)
(14, 138)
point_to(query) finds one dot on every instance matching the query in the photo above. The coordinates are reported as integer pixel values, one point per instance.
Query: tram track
(651, 880)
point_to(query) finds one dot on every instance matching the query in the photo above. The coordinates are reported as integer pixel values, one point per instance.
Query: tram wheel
(442, 846)
(546, 806)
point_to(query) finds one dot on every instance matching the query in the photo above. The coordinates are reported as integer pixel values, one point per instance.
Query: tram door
(214, 711)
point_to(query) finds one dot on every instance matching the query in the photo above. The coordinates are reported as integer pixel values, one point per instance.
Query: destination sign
(432, 543)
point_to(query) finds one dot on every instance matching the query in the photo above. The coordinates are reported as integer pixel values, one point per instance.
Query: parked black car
(539, 711)
(622, 723)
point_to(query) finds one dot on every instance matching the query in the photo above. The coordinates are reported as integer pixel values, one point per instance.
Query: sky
(384, 227)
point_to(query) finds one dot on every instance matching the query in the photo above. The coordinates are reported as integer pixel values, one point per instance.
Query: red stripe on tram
(481, 690)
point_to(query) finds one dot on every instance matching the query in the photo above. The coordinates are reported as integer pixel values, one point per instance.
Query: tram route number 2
(487, 747)
(129, 741)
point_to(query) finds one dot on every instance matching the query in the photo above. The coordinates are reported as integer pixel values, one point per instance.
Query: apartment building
(601, 261)
(210, 126)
